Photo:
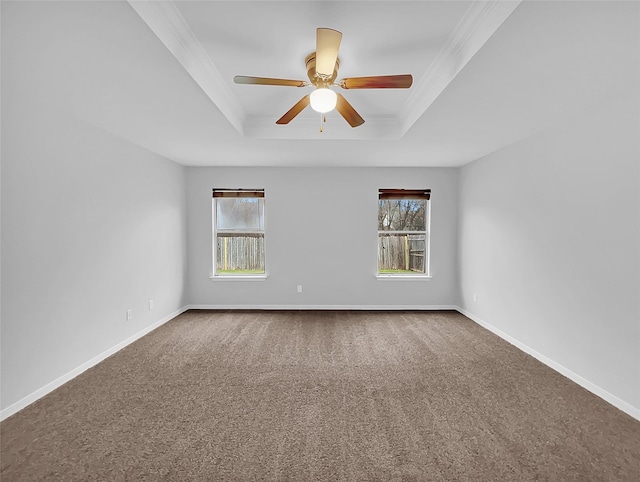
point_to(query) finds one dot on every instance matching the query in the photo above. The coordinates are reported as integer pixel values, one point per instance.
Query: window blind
(404, 194)
(238, 193)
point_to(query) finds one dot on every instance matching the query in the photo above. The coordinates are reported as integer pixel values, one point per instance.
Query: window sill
(403, 277)
(239, 277)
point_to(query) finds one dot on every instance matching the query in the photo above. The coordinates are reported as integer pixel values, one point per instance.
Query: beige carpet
(308, 396)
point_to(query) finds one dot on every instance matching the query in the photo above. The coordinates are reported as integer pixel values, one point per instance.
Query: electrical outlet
(150, 304)
(299, 288)
(475, 297)
(129, 315)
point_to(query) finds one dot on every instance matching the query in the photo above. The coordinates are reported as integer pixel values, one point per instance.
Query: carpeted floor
(309, 395)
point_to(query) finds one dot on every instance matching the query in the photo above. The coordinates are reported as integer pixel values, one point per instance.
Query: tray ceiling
(159, 74)
(214, 41)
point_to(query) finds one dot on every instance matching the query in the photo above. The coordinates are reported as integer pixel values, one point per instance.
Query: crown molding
(478, 24)
(165, 20)
(335, 128)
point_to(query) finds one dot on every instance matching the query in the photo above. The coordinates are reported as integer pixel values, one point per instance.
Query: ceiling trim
(477, 25)
(335, 128)
(165, 20)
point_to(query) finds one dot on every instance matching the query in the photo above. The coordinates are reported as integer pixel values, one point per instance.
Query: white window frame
(215, 276)
(427, 234)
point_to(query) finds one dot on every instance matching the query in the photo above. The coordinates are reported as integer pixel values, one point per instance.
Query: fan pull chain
(323, 119)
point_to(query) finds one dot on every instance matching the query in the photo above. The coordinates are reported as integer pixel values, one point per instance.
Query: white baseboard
(596, 390)
(49, 387)
(326, 307)
(583, 382)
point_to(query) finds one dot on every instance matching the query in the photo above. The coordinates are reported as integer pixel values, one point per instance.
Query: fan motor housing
(315, 78)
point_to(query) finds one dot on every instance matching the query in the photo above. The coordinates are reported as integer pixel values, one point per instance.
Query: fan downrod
(316, 79)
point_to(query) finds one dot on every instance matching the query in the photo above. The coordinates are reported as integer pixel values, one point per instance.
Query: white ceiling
(274, 39)
(486, 74)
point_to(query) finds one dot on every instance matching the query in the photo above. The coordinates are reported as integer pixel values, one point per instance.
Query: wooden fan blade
(327, 45)
(403, 81)
(294, 111)
(348, 112)
(243, 79)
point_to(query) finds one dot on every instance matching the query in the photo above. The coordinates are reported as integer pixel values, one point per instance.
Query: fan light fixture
(323, 100)
(322, 70)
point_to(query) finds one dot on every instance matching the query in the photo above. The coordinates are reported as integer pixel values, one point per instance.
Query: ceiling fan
(322, 70)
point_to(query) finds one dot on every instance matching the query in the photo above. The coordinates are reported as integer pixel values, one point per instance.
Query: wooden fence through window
(402, 252)
(240, 252)
(245, 252)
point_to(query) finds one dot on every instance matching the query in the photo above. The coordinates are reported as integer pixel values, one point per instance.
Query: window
(403, 232)
(238, 232)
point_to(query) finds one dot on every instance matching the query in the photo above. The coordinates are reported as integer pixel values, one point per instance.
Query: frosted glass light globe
(323, 100)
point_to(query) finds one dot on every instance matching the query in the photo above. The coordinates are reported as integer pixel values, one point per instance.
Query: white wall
(91, 226)
(321, 232)
(550, 243)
